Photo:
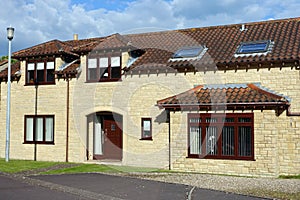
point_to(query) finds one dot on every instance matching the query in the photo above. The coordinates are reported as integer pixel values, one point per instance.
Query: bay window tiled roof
(226, 97)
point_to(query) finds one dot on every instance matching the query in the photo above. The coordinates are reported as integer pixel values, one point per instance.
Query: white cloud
(37, 21)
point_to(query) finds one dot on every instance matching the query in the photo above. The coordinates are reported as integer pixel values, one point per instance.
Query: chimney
(75, 36)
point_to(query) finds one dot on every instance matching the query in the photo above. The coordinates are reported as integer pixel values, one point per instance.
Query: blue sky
(106, 4)
(37, 21)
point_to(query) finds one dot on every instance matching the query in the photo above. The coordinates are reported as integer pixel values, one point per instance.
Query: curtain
(211, 140)
(49, 129)
(39, 129)
(29, 129)
(195, 140)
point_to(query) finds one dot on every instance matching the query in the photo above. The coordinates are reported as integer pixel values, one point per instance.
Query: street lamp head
(10, 33)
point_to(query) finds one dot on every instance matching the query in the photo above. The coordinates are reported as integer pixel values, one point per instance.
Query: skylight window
(188, 52)
(253, 47)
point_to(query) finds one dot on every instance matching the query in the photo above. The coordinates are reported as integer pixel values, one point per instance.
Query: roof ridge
(32, 47)
(270, 21)
(217, 26)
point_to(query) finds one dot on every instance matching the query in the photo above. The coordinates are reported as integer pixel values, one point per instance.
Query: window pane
(228, 141)
(253, 47)
(30, 66)
(116, 72)
(195, 140)
(146, 128)
(49, 129)
(115, 61)
(103, 72)
(40, 75)
(244, 119)
(40, 66)
(104, 68)
(50, 75)
(92, 74)
(195, 120)
(244, 141)
(40, 72)
(29, 129)
(208, 120)
(227, 120)
(92, 63)
(50, 65)
(30, 76)
(39, 129)
(188, 52)
(30, 73)
(211, 140)
(103, 62)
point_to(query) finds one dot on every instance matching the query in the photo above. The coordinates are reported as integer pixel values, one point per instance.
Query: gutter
(289, 113)
(231, 106)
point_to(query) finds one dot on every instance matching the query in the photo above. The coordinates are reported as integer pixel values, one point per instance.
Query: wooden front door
(112, 148)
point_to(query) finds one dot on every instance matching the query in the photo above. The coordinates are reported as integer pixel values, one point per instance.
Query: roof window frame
(265, 50)
(199, 55)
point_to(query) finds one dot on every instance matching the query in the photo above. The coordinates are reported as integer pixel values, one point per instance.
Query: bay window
(223, 136)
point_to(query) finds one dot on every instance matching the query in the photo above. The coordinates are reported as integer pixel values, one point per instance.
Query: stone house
(220, 99)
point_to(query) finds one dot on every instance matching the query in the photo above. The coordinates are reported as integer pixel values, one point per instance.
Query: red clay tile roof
(115, 41)
(57, 47)
(223, 41)
(14, 68)
(86, 45)
(228, 97)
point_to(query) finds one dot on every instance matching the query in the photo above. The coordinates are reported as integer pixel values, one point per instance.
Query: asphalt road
(100, 186)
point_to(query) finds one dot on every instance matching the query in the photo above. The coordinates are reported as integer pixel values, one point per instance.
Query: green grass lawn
(290, 177)
(15, 166)
(90, 168)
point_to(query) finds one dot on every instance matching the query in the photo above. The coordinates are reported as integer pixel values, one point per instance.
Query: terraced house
(221, 99)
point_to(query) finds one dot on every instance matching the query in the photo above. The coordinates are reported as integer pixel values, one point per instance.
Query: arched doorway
(108, 136)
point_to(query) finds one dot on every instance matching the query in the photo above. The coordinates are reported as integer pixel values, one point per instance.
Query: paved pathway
(101, 186)
(117, 187)
(12, 189)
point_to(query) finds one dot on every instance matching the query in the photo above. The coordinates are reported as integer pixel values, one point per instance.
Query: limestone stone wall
(276, 138)
(277, 145)
(31, 100)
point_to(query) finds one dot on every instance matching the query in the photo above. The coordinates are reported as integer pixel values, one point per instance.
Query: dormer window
(40, 72)
(253, 47)
(104, 68)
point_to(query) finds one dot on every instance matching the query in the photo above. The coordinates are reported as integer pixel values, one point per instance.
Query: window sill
(149, 139)
(36, 84)
(46, 143)
(103, 81)
(220, 158)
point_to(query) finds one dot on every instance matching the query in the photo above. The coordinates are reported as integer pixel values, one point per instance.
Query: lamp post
(10, 36)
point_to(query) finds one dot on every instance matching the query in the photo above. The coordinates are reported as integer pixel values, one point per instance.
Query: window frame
(34, 129)
(240, 48)
(143, 137)
(35, 74)
(183, 52)
(219, 124)
(98, 77)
